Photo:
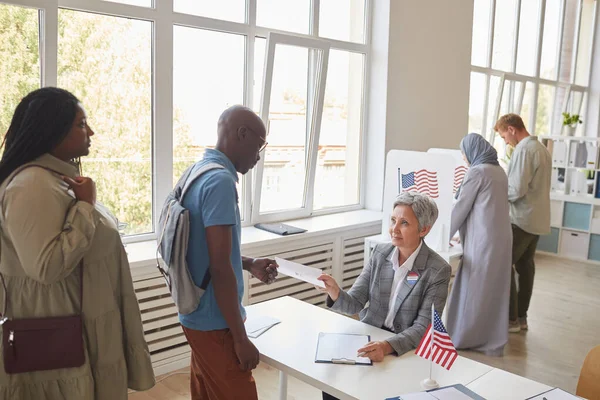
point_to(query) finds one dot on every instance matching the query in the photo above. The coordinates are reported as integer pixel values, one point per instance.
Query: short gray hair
(423, 206)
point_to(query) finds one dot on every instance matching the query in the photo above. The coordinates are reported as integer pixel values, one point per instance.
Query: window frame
(163, 18)
(317, 71)
(536, 80)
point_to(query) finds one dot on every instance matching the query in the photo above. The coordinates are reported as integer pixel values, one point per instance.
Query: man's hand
(247, 354)
(376, 351)
(264, 269)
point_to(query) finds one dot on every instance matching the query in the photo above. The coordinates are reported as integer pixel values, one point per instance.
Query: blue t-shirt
(212, 200)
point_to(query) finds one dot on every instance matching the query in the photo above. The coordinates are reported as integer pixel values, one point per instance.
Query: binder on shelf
(559, 153)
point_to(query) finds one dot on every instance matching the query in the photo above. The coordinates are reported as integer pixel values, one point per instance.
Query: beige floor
(564, 325)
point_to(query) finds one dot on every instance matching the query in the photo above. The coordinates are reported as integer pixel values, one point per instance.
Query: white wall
(426, 78)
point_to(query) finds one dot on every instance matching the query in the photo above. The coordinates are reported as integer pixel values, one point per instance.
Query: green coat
(44, 233)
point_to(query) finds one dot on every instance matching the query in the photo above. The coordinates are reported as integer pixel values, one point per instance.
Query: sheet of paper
(259, 332)
(339, 346)
(450, 393)
(555, 394)
(259, 323)
(299, 271)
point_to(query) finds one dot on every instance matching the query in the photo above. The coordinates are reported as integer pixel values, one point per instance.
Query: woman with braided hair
(61, 254)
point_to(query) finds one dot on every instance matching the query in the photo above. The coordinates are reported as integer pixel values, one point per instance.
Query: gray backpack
(173, 236)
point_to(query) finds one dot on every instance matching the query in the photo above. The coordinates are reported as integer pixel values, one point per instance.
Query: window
(342, 20)
(230, 10)
(292, 105)
(155, 79)
(202, 90)
(534, 68)
(20, 55)
(113, 79)
(285, 15)
(336, 182)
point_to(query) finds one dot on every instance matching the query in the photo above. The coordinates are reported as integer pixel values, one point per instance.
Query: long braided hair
(41, 121)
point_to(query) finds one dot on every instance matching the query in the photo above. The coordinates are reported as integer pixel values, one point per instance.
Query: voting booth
(460, 166)
(431, 174)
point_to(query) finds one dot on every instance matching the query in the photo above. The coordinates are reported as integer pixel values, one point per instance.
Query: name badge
(412, 278)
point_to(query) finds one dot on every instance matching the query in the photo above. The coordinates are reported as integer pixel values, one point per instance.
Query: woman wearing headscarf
(477, 311)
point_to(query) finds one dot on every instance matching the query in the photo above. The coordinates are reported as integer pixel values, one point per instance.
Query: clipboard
(341, 348)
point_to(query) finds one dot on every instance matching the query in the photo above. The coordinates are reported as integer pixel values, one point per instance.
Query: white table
(502, 385)
(291, 347)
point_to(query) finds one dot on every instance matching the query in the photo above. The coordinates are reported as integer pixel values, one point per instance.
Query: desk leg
(283, 381)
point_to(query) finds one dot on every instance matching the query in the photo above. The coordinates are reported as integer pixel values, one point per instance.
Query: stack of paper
(256, 326)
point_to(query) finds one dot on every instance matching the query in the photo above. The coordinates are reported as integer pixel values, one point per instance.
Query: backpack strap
(193, 175)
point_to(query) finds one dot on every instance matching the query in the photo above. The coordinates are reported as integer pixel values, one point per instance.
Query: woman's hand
(331, 286)
(376, 351)
(84, 188)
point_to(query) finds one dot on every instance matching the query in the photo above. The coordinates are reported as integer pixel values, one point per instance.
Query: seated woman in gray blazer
(400, 282)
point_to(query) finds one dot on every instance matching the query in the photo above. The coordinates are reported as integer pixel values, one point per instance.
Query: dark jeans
(329, 397)
(523, 253)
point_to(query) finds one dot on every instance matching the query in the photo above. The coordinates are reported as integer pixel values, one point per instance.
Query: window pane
(505, 100)
(549, 44)
(586, 31)
(342, 20)
(528, 32)
(141, 3)
(481, 29)
(284, 173)
(568, 41)
(206, 81)
(260, 45)
(560, 95)
(230, 10)
(20, 59)
(493, 93)
(287, 15)
(476, 102)
(582, 111)
(337, 180)
(544, 110)
(113, 79)
(527, 105)
(504, 34)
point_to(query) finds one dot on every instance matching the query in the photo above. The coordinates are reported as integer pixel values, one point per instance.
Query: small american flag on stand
(441, 351)
(422, 181)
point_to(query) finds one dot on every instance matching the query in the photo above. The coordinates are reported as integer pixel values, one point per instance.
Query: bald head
(241, 136)
(235, 117)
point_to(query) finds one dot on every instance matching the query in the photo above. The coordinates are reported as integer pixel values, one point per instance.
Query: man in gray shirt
(529, 174)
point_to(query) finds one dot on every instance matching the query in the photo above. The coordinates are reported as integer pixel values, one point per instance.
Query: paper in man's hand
(299, 271)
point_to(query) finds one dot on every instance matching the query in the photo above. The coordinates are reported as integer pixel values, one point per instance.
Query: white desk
(291, 346)
(502, 385)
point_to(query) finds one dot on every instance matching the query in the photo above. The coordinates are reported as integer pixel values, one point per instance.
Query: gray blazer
(413, 306)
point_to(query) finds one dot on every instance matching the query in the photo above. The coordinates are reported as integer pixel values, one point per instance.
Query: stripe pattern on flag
(443, 349)
(459, 175)
(422, 181)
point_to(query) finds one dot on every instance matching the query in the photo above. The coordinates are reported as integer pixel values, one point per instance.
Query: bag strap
(190, 178)
(3, 317)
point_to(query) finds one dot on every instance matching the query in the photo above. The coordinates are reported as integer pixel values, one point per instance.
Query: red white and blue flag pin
(412, 278)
